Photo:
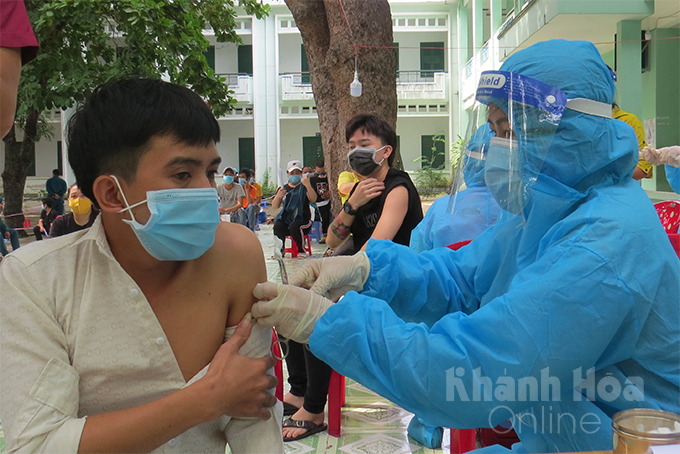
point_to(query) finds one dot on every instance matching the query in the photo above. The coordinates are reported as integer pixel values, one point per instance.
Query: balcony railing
(296, 86)
(422, 84)
(419, 84)
(241, 84)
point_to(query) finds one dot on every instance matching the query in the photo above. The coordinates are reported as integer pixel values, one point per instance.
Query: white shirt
(78, 337)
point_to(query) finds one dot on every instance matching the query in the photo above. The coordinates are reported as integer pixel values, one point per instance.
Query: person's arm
(41, 226)
(258, 196)
(10, 70)
(246, 191)
(366, 190)
(393, 214)
(57, 227)
(238, 206)
(42, 413)
(278, 198)
(311, 193)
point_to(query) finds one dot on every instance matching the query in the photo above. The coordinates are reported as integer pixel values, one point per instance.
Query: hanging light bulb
(355, 86)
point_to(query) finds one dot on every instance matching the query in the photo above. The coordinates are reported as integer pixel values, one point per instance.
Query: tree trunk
(18, 157)
(330, 47)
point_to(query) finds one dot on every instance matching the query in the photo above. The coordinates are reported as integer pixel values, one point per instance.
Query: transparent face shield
(512, 126)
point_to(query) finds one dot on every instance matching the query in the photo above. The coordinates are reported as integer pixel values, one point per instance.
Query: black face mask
(362, 160)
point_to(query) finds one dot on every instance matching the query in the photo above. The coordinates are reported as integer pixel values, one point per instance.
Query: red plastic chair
(669, 214)
(293, 249)
(278, 367)
(336, 400)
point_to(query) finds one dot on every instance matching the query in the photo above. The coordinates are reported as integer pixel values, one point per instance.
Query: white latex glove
(292, 310)
(650, 155)
(670, 155)
(660, 156)
(334, 276)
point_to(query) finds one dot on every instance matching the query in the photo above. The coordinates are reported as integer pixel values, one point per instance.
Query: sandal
(309, 426)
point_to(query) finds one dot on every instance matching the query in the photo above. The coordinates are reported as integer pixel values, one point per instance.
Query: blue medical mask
(503, 176)
(251, 180)
(182, 224)
(294, 179)
(228, 179)
(241, 181)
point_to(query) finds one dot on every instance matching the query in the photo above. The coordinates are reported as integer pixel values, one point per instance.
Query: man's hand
(7, 235)
(332, 277)
(366, 190)
(237, 385)
(292, 310)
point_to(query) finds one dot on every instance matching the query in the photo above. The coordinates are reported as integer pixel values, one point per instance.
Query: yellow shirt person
(644, 169)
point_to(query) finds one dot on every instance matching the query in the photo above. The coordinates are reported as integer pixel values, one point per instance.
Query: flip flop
(289, 409)
(309, 426)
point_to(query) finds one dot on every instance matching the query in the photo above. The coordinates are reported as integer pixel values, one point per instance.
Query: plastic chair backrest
(669, 215)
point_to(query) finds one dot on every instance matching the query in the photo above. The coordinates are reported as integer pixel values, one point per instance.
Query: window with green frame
(433, 151)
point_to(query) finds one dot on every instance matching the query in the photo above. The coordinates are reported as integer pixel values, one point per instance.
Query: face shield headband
(513, 124)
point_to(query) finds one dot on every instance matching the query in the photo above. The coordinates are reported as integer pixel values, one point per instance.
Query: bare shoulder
(237, 260)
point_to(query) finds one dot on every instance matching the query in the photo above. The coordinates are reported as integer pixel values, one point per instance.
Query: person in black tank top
(383, 205)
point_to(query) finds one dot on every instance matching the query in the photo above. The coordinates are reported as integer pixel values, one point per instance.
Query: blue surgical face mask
(251, 180)
(182, 224)
(241, 181)
(294, 179)
(503, 176)
(228, 179)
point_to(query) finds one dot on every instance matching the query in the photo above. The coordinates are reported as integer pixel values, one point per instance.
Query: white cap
(292, 165)
(232, 168)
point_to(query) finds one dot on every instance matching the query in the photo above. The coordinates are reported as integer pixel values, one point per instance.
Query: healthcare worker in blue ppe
(556, 317)
(477, 209)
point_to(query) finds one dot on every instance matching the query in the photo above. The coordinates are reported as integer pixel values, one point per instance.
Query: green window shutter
(245, 59)
(210, 56)
(304, 65)
(432, 151)
(246, 153)
(312, 151)
(431, 59)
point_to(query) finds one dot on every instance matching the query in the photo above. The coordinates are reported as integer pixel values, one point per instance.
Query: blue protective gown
(511, 325)
(673, 177)
(475, 209)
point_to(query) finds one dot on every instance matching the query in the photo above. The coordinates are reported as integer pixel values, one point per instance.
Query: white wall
(289, 53)
(409, 48)
(226, 55)
(292, 132)
(410, 129)
(45, 153)
(231, 131)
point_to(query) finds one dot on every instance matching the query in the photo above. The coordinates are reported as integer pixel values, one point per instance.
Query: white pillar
(265, 97)
(67, 171)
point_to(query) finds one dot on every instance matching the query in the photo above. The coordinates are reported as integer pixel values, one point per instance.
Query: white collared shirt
(78, 337)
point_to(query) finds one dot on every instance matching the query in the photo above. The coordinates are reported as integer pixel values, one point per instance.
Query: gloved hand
(650, 155)
(670, 155)
(666, 155)
(334, 276)
(292, 310)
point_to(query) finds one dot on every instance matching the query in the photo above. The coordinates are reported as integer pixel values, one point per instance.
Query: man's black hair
(47, 201)
(111, 131)
(373, 124)
(320, 164)
(56, 173)
(247, 172)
